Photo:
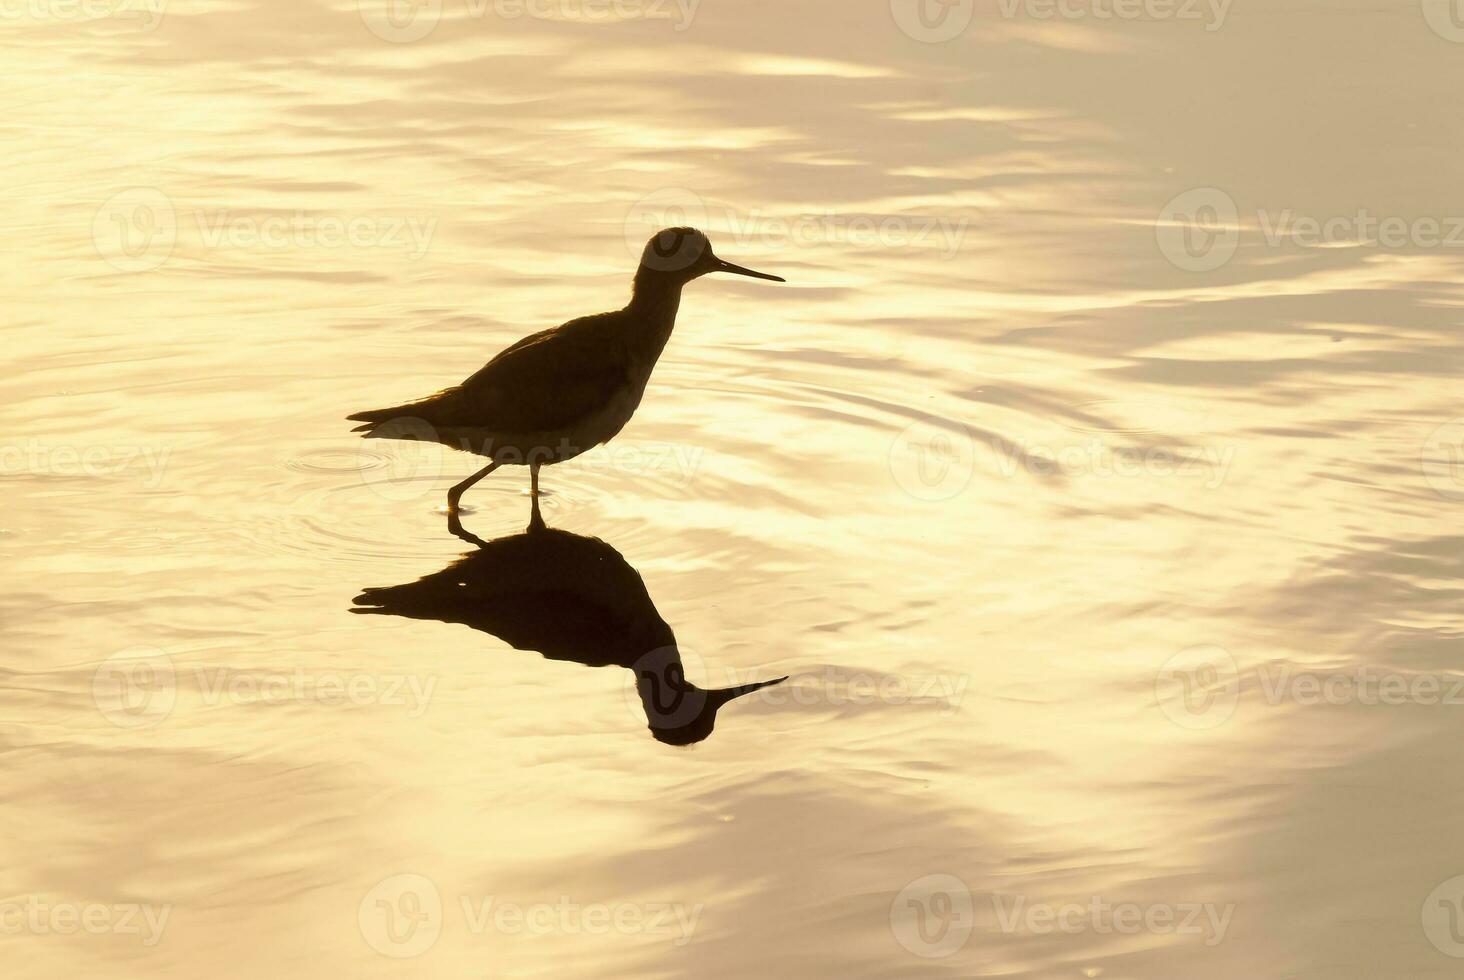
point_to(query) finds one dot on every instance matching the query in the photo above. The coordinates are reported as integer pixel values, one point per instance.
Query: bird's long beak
(740, 271)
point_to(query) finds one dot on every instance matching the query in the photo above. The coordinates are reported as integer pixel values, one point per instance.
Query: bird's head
(679, 712)
(684, 254)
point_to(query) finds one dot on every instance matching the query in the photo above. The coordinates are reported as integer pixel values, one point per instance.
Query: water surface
(1044, 503)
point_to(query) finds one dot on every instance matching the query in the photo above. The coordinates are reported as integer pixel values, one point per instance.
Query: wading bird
(557, 393)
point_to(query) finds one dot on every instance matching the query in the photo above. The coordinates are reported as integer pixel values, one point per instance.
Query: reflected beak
(721, 696)
(740, 271)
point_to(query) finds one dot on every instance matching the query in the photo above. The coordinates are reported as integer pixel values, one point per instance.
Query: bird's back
(565, 596)
(546, 383)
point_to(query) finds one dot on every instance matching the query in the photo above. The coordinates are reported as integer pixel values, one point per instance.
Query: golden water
(1053, 513)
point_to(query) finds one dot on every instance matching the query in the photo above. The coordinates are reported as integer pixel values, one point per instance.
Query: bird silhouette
(560, 392)
(570, 598)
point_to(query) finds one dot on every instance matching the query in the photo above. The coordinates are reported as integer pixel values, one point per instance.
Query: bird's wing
(547, 381)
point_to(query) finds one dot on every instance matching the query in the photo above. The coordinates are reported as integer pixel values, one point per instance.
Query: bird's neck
(653, 304)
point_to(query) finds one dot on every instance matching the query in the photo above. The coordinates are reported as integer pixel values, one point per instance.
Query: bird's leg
(536, 521)
(456, 494)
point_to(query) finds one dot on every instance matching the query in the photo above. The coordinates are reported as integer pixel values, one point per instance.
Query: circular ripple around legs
(340, 512)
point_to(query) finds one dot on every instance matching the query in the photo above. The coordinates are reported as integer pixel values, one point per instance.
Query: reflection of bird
(570, 598)
(560, 392)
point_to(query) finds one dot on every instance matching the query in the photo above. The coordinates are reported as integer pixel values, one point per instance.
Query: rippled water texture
(1096, 478)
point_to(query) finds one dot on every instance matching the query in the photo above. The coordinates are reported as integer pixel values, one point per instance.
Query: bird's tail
(372, 418)
(414, 419)
(401, 422)
(376, 600)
